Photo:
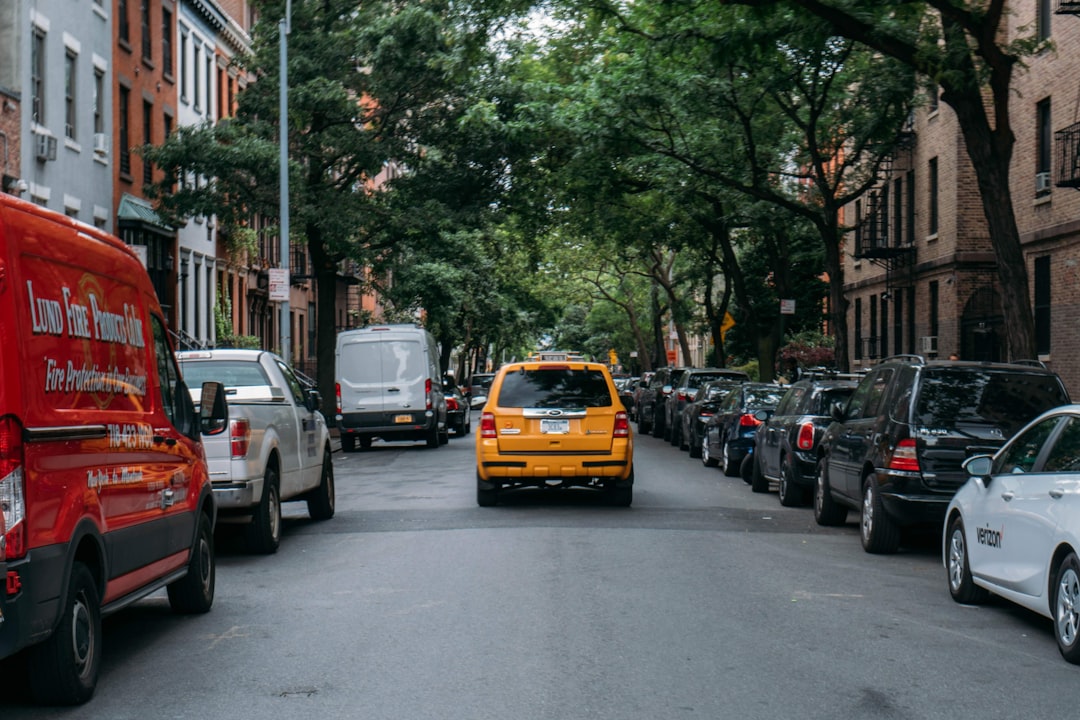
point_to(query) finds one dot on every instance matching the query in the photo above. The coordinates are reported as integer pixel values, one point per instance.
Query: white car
(1014, 528)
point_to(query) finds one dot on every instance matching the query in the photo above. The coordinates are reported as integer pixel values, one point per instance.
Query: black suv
(651, 404)
(895, 449)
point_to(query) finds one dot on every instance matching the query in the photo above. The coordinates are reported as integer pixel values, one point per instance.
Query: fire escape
(1067, 140)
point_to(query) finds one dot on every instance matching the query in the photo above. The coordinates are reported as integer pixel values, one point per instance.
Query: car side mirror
(762, 415)
(213, 410)
(979, 467)
(312, 400)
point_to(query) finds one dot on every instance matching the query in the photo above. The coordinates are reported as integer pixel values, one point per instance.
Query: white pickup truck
(275, 448)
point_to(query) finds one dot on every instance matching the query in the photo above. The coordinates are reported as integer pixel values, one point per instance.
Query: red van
(103, 482)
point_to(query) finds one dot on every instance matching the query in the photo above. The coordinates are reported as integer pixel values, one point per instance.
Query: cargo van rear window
(563, 388)
(227, 372)
(383, 361)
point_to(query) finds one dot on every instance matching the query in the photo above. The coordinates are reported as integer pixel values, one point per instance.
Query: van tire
(194, 593)
(63, 669)
(264, 532)
(348, 443)
(432, 436)
(320, 501)
(365, 442)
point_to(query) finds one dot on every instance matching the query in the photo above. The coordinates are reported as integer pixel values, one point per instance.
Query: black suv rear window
(559, 388)
(1007, 399)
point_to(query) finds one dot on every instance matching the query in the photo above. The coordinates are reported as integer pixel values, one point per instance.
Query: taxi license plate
(402, 419)
(558, 427)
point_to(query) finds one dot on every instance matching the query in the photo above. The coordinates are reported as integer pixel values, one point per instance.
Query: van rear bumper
(30, 614)
(386, 425)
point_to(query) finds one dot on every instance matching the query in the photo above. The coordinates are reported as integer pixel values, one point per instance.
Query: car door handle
(1057, 493)
(1007, 496)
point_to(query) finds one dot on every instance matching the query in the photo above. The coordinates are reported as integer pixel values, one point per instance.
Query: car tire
(320, 501)
(264, 532)
(880, 534)
(486, 497)
(676, 433)
(962, 588)
(193, 594)
(694, 446)
(1066, 607)
(826, 510)
(643, 427)
(727, 464)
(706, 457)
(63, 669)
(657, 426)
(348, 443)
(791, 494)
(758, 482)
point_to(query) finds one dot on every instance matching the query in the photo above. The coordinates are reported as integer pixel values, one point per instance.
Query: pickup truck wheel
(194, 593)
(63, 669)
(320, 501)
(348, 443)
(264, 533)
(880, 533)
(826, 510)
(962, 588)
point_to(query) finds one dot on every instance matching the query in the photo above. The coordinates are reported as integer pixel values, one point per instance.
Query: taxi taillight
(805, 438)
(12, 488)
(240, 434)
(622, 425)
(487, 425)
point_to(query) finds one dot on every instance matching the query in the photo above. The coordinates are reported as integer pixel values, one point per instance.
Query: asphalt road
(702, 600)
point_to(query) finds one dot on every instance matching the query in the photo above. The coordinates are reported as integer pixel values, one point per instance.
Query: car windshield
(1007, 399)
(554, 387)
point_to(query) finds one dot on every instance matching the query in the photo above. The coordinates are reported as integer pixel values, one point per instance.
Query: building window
(166, 42)
(147, 50)
(898, 211)
(209, 83)
(1043, 13)
(935, 103)
(884, 334)
(873, 339)
(858, 227)
(195, 74)
(1043, 137)
(124, 27)
(37, 77)
(898, 321)
(1042, 305)
(148, 115)
(99, 100)
(933, 293)
(70, 116)
(932, 197)
(911, 207)
(183, 67)
(858, 329)
(124, 140)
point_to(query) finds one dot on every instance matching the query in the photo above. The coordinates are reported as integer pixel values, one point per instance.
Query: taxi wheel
(1067, 608)
(194, 593)
(826, 510)
(961, 586)
(879, 532)
(63, 670)
(320, 501)
(264, 532)
(484, 496)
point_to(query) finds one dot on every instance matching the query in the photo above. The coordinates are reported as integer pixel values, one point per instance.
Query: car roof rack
(1032, 363)
(906, 357)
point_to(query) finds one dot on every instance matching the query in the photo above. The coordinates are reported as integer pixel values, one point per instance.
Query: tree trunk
(325, 330)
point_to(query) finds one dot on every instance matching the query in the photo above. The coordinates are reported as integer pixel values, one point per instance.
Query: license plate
(403, 419)
(557, 427)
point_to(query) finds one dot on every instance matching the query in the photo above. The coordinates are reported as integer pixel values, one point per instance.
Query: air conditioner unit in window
(1042, 182)
(101, 143)
(928, 344)
(44, 146)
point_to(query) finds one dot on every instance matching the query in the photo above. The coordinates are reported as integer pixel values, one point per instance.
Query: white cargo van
(389, 386)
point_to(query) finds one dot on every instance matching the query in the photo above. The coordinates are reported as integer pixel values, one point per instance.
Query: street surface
(703, 600)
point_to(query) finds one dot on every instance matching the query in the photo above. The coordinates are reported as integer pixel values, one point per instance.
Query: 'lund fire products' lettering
(988, 537)
(51, 317)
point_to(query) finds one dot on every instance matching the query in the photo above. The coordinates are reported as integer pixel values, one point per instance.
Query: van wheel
(194, 593)
(365, 442)
(826, 510)
(320, 501)
(348, 443)
(432, 436)
(264, 533)
(880, 533)
(444, 436)
(63, 670)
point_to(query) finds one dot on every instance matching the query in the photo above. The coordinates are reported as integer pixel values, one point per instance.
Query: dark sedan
(458, 412)
(729, 434)
(698, 412)
(786, 444)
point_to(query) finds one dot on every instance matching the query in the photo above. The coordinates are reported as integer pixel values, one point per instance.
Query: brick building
(920, 272)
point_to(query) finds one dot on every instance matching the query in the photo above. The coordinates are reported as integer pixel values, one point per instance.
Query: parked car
(729, 434)
(1013, 529)
(652, 416)
(625, 386)
(697, 413)
(786, 446)
(277, 448)
(639, 389)
(894, 451)
(684, 390)
(552, 426)
(479, 385)
(458, 410)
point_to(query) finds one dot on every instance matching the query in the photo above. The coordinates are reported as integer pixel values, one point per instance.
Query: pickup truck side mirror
(312, 400)
(213, 410)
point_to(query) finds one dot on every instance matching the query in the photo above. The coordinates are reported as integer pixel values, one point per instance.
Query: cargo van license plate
(558, 427)
(402, 419)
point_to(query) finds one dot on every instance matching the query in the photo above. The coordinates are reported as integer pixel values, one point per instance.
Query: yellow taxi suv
(554, 425)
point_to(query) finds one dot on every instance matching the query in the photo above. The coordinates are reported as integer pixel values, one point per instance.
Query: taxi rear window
(554, 388)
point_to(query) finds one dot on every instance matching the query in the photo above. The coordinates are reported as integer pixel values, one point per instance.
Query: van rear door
(383, 375)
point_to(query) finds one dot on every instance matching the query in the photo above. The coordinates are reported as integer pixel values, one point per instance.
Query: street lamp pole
(283, 109)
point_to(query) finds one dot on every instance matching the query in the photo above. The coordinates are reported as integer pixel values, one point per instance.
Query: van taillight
(240, 432)
(427, 392)
(805, 440)
(12, 488)
(487, 425)
(337, 392)
(905, 457)
(622, 425)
